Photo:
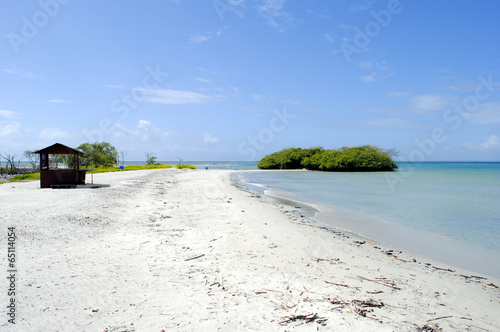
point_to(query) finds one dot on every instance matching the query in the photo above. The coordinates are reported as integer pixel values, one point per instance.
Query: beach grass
(26, 177)
(185, 166)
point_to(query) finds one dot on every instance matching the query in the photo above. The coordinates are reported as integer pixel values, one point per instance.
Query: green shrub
(185, 166)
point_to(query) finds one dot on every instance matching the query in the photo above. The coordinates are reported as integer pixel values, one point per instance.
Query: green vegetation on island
(366, 158)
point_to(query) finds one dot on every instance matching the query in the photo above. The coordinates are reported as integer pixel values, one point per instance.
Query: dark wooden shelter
(50, 178)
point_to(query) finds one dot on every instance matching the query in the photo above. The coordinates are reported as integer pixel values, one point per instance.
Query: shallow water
(448, 212)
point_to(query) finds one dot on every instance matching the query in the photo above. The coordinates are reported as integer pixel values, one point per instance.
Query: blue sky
(238, 79)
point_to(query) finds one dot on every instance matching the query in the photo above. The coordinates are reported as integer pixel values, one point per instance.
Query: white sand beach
(185, 250)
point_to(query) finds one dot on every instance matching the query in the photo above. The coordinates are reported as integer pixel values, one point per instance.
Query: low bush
(185, 166)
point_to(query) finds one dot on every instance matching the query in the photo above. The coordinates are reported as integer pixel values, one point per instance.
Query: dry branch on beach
(306, 318)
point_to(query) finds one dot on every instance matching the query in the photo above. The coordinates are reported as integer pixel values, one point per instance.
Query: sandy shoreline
(186, 250)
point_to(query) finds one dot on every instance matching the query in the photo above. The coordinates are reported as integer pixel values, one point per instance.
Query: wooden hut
(54, 178)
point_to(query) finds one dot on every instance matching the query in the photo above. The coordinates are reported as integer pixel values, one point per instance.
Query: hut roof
(59, 148)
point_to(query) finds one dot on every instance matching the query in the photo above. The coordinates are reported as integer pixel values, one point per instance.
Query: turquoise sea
(447, 212)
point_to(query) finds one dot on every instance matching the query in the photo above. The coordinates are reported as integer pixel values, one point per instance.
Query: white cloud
(52, 134)
(200, 38)
(9, 130)
(427, 103)
(234, 90)
(144, 124)
(360, 7)
(126, 132)
(206, 37)
(209, 82)
(487, 113)
(8, 114)
(261, 98)
(465, 87)
(272, 11)
(176, 97)
(329, 38)
(145, 131)
(374, 65)
(211, 72)
(203, 80)
(149, 131)
(378, 70)
(20, 73)
(59, 101)
(236, 3)
(209, 140)
(493, 142)
(235, 6)
(374, 76)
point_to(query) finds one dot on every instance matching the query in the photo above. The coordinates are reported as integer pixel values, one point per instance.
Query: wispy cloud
(59, 101)
(235, 91)
(329, 38)
(144, 131)
(209, 139)
(8, 114)
(374, 65)
(379, 70)
(429, 103)
(272, 11)
(464, 87)
(150, 131)
(360, 7)
(375, 76)
(200, 38)
(10, 130)
(208, 82)
(177, 97)
(21, 73)
(236, 3)
(261, 98)
(486, 114)
(235, 6)
(493, 142)
(51, 134)
(211, 72)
